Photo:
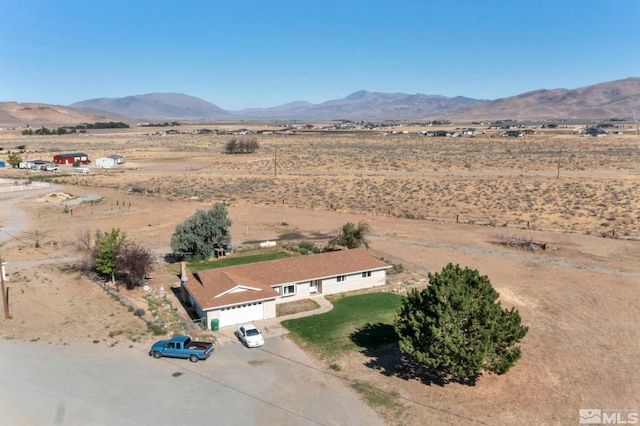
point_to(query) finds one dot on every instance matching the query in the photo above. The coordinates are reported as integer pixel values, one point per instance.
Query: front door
(316, 286)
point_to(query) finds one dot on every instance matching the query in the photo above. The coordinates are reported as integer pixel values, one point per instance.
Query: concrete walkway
(272, 327)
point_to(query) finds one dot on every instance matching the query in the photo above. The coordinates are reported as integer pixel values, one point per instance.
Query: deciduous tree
(135, 261)
(83, 244)
(197, 237)
(14, 159)
(106, 251)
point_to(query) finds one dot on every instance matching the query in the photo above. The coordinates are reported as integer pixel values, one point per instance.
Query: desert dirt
(429, 202)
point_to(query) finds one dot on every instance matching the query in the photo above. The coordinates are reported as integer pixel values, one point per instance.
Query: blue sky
(266, 53)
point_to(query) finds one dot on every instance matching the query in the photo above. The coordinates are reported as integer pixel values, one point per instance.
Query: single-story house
(109, 161)
(71, 158)
(244, 293)
(435, 133)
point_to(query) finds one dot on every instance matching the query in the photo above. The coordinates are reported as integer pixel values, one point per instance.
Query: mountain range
(620, 98)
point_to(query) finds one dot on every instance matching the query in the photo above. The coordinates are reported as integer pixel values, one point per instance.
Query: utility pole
(5, 301)
(275, 162)
(559, 157)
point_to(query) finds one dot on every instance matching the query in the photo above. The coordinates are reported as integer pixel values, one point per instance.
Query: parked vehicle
(182, 347)
(250, 336)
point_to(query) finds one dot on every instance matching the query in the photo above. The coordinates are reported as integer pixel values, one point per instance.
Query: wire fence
(413, 267)
(152, 323)
(20, 185)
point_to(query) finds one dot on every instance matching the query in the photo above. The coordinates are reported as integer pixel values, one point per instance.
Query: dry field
(487, 179)
(579, 297)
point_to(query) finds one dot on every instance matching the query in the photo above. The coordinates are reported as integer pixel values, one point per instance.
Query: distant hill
(156, 106)
(363, 105)
(620, 98)
(14, 114)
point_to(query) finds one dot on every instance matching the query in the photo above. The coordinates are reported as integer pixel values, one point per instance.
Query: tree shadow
(173, 257)
(380, 343)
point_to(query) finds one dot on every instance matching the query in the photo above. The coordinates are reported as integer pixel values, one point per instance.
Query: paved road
(83, 384)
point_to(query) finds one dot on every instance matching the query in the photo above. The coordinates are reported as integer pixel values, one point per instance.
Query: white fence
(20, 185)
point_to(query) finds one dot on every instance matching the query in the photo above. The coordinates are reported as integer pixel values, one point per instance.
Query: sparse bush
(244, 145)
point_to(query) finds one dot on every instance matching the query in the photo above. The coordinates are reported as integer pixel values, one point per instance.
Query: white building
(109, 161)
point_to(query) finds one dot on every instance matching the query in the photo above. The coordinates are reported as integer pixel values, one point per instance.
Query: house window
(366, 274)
(341, 278)
(287, 290)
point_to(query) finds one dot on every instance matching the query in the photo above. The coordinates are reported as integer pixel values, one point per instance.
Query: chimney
(183, 271)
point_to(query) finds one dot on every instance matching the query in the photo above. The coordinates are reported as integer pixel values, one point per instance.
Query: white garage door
(241, 314)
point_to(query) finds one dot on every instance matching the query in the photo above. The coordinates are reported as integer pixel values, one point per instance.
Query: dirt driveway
(579, 298)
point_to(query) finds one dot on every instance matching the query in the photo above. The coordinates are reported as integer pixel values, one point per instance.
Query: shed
(80, 157)
(105, 162)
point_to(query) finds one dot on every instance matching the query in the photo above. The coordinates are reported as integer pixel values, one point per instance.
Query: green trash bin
(215, 323)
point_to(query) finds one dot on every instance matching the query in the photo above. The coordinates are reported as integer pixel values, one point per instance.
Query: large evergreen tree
(197, 237)
(457, 325)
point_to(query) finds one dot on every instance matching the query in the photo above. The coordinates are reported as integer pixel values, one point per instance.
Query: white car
(250, 336)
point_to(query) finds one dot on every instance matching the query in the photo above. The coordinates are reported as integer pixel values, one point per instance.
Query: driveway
(93, 384)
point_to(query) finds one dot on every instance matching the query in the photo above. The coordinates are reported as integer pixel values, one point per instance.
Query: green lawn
(355, 322)
(240, 260)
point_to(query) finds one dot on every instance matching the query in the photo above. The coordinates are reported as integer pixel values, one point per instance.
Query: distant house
(109, 161)
(512, 134)
(29, 164)
(595, 131)
(244, 293)
(80, 157)
(435, 133)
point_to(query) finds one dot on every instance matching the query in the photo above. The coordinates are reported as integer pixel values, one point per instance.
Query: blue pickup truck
(181, 347)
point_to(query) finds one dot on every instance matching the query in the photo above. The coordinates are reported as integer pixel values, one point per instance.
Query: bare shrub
(521, 242)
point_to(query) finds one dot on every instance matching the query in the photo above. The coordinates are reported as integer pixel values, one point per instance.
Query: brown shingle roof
(246, 283)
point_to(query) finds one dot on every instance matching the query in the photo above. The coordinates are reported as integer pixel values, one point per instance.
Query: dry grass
(486, 180)
(296, 307)
(579, 296)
